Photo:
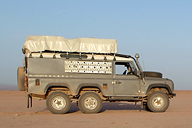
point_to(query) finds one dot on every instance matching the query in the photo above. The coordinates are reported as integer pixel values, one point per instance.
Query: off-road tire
(21, 78)
(158, 102)
(90, 102)
(58, 103)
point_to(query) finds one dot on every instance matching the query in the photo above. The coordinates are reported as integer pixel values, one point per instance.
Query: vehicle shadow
(111, 106)
(121, 106)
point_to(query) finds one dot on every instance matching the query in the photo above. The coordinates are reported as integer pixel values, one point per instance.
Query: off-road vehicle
(88, 71)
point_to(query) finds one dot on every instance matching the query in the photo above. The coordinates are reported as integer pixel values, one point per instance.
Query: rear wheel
(158, 101)
(90, 102)
(58, 103)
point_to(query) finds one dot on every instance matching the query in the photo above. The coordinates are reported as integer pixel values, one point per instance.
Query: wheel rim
(90, 103)
(58, 103)
(158, 102)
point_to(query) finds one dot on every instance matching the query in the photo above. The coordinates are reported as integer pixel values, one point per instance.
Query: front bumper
(172, 95)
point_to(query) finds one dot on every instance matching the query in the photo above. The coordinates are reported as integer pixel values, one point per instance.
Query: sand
(14, 113)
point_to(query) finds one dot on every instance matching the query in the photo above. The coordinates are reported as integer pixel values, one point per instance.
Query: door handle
(116, 82)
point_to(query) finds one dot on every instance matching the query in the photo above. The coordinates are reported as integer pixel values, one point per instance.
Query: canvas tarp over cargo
(57, 43)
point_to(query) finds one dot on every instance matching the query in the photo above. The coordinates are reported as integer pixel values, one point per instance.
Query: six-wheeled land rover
(88, 71)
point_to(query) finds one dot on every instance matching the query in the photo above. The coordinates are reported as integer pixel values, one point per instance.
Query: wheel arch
(57, 85)
(89, 86)
(153, 86)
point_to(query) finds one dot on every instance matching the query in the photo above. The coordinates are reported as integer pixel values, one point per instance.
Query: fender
(88, 85)
(159, 86)
(57, 85)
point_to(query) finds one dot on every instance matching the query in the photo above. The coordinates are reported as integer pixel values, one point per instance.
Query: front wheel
(58, 103)
(158, 102)
(90, 102)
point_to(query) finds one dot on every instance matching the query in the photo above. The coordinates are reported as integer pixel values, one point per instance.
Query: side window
(119, 69)
(124, 68)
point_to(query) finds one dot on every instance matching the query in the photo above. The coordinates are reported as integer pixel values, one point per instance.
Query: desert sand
(15, 114)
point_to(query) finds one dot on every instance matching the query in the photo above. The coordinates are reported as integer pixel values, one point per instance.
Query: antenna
(143, 62)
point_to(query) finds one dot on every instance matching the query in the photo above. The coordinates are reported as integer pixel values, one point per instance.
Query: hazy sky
(160, 31)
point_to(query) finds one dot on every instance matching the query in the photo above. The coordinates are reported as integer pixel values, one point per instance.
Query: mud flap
(29, 100)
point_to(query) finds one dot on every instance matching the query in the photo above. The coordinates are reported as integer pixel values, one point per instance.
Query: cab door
(125, 84)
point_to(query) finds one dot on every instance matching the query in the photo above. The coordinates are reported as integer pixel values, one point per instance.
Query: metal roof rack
(81, 55)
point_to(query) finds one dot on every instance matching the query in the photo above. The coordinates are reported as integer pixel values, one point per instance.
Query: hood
(152, 74)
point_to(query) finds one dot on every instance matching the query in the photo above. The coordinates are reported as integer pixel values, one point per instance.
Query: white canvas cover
(57, 43)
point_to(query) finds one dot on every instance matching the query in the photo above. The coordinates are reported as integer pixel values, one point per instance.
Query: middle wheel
(90, 102)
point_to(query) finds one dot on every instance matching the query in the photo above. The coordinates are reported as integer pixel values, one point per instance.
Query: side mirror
(23, 51)
(137, 56)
